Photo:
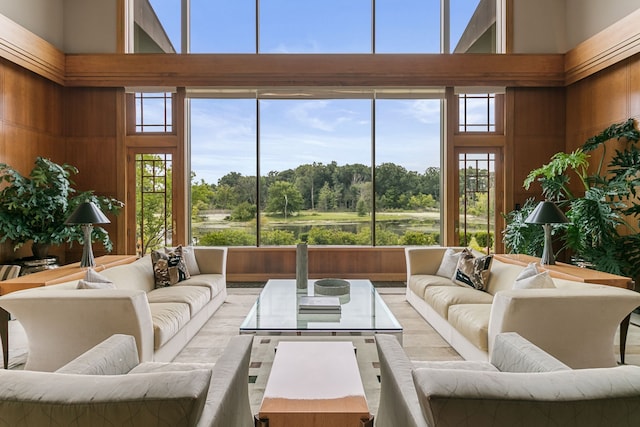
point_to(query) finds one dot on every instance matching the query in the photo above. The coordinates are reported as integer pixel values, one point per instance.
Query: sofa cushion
(420, 282)
(84, 284)
(169, 267)
(538, 281)
(93, 276)
(168, 319)
(512, 353)
(449, 263)
(195, 296)
(216, 283)
(189, 256)
(29, 398)
(472, 321)
(190, 260)
(584, 398)
(530, 270)
(137, 275)
(116, 355)
(440, 298)
(502, 276)
(473, 272)
(467, 365)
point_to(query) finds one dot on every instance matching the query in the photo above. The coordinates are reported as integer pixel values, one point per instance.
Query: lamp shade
(87, 213)
(546, 213)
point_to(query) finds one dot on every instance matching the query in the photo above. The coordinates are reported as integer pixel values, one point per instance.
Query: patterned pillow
(448, 264)
(169, 267)
(472, 271)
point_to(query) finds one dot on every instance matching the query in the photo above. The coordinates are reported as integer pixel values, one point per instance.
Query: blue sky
(294, 132)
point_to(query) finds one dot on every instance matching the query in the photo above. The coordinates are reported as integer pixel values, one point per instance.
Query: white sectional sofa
(575, 322)
(108, 386)
(522, 386)
(62, 322)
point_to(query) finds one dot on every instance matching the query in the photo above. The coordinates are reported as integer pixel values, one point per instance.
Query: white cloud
(424, 110)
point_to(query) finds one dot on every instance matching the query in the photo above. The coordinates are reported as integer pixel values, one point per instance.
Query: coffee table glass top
(276, 310)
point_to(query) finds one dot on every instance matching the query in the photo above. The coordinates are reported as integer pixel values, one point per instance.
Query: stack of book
(319, 305)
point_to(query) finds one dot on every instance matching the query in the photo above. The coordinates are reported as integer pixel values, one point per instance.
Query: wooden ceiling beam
(285, 70)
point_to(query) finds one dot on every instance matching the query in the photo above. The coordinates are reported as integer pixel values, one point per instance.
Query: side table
(54, 276)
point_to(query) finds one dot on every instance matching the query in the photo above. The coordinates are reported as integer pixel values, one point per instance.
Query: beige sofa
(62, 322)
(522, 386)
(107, 386)
(576, 322)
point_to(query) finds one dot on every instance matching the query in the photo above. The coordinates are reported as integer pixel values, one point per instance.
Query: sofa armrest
(568, 398)
(576, 326)
(62, 324)
(512, 353)
(228, 398)
(399, 405)
(211, 260)
(114, 356)
(46, 398)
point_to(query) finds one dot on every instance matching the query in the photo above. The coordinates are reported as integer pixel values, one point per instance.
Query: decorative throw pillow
(190, 259)
(85, 284)
(449, 263)
(95, 277)
(530, 270)
(538, 281)
(169, 267)
(472, 271)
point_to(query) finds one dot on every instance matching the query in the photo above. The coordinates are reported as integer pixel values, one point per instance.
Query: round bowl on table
(333, 287)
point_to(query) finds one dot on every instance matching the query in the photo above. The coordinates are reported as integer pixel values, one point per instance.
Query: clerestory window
(154, 112)
(324, 26)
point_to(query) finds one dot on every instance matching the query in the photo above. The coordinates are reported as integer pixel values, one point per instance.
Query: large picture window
(314, 161)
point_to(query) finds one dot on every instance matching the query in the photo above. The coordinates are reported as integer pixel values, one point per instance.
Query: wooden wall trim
(365, 70)
(612, 45)
(259, 264)
(29, 51)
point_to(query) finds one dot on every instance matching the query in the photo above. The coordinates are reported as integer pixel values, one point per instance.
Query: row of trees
(334, 236)
(320, 187)
(312, 187)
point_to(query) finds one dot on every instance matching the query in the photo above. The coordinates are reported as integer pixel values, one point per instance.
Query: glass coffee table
(363, 312)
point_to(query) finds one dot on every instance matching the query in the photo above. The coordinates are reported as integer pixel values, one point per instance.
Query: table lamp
(87, 214)
(547, 213)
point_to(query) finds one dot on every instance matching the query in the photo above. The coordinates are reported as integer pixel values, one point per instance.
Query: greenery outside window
(314, 161)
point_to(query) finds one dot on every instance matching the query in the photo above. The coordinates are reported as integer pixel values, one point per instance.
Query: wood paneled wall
(93, 125)
(610, 96)
(250, 264)
(535, 120)
(30, 125)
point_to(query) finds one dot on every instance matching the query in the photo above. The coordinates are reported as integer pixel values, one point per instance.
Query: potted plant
(600, 232)
(35, 207)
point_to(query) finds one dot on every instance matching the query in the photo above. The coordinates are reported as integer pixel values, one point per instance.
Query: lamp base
(87, 252)
(547, 253)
